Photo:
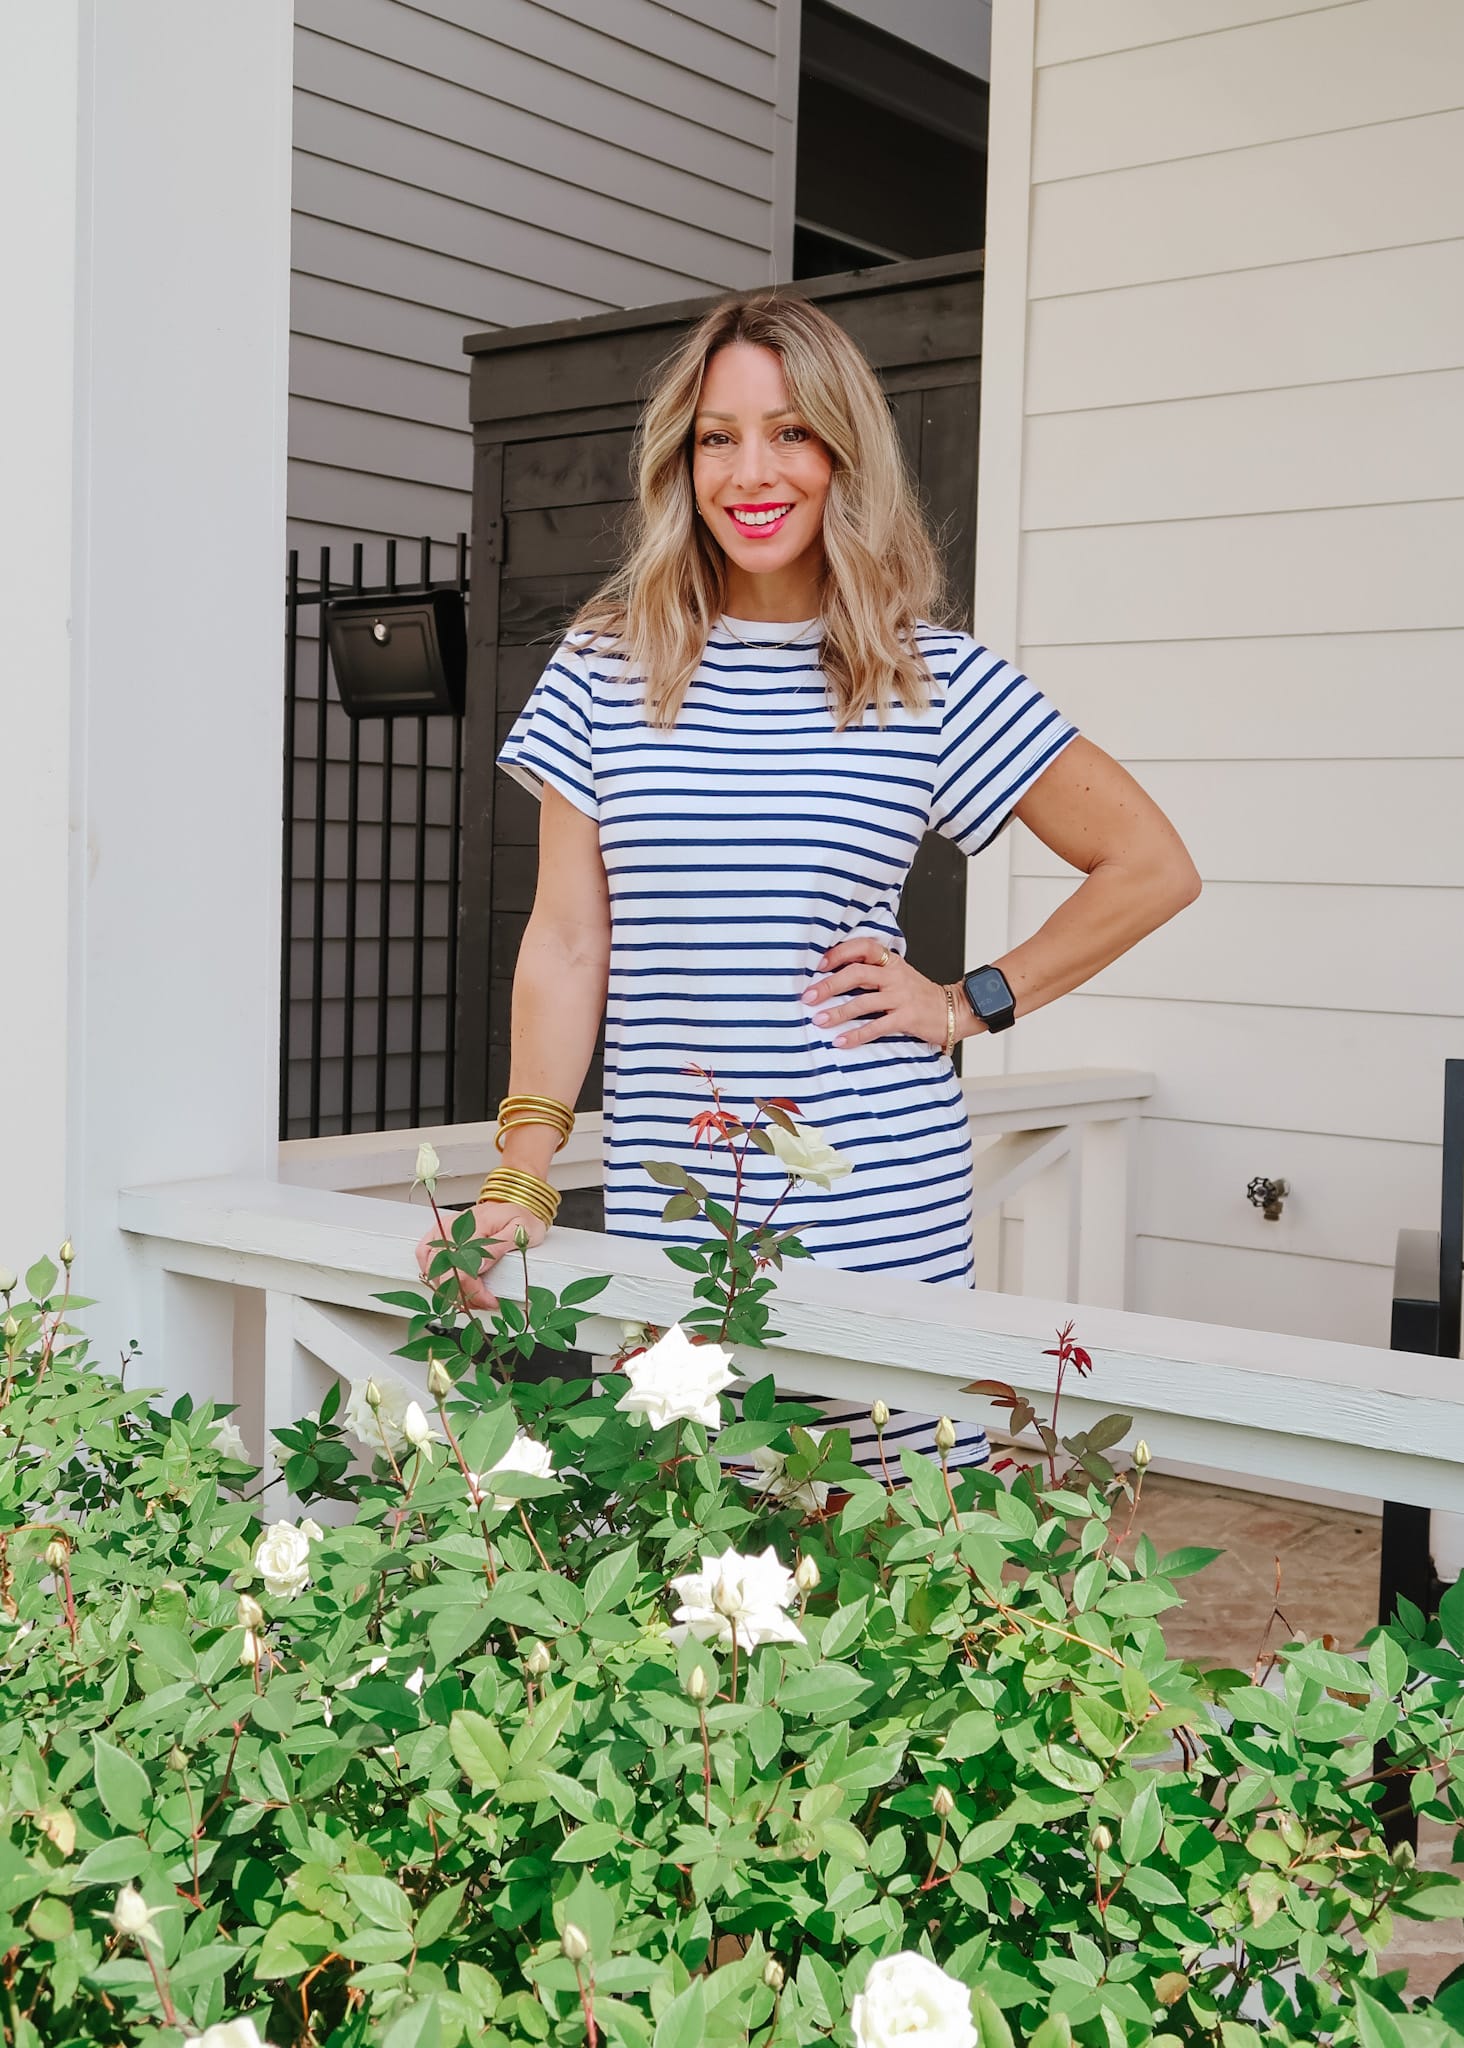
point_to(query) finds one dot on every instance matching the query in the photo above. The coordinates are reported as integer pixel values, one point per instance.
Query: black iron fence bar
(287, 851)
(419, 887)
(353, 814)
(317, 1010)
(454, 845)
(1451, 1216)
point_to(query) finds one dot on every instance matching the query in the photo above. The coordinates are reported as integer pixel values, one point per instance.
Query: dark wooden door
(554, 409)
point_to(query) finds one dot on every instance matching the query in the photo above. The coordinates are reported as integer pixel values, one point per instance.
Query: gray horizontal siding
(463, 165)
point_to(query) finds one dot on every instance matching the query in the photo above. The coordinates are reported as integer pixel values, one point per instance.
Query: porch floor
(1327, 1561)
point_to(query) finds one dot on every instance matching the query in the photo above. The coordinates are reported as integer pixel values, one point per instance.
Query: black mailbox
(399, 654)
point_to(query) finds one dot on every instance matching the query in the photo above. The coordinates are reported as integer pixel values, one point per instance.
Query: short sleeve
(998, 733)
(552, 739)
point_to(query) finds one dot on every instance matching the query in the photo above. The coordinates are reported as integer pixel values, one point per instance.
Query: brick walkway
(1328, 1565)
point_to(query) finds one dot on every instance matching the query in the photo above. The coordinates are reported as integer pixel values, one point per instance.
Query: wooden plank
(1300, 74)
(479, 794)
(568, 540)
(327, 495)
(666, 124)
(381, 141)
(1308, 323)
(1378, 824)
(948, 459)
(594, 272)
(1071, 29)
(471, 293)
(567, 469)
(1303, 697)
(535, 609)
(379, 444)
(513, 882)
(459, 105)
(928, 321)
(1368, 570)
(1265, 1068)
(1283, 202)
(1318, 948)
(1383, 440)
(907, 411)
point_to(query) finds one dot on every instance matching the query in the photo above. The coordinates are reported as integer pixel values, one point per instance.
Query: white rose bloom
(240, 2033)
(770, 1476)
(227, 1441)
(282, 1557)
(524, 1454)
(677, 1381)
(807, 1156)
(132, 1915)
(910, 2002)
(428, 1166)
(388, 1420)
(732, 1594)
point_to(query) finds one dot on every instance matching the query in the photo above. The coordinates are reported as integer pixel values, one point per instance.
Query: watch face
(990, 990)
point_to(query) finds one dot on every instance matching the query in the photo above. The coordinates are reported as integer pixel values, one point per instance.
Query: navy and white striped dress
(740, 845)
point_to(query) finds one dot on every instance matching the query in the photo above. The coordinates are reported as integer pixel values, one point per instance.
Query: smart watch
(989, 993)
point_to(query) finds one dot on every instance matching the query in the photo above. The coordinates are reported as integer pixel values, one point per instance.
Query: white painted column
(146, 365)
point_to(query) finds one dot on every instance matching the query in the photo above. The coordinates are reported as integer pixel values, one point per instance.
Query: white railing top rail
(995, 1104)
(1384, 1424)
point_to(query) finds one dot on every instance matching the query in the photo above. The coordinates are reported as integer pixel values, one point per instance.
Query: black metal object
(393, 656)
(329, 834)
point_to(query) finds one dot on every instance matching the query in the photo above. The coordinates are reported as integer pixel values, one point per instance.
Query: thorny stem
(469, 1482)
(945, 1473)
(733, 1626)
(532, 1537)
(160, 1979)
(587, 2003)
(706, 1766)
(931, 1880)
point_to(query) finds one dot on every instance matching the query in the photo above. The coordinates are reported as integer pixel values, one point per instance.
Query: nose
(753, 468)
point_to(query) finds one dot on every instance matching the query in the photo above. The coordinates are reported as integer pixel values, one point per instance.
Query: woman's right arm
(559, 988)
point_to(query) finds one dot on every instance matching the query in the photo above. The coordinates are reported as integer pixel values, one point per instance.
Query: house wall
(1222, 518)
(462, 165)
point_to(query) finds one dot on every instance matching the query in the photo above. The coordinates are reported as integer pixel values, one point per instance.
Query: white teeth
(761, 518)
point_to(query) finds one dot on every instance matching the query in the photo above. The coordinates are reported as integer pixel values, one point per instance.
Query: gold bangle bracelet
(523, 1190)
(515, 1123)
(546, 1105)
(950, 996)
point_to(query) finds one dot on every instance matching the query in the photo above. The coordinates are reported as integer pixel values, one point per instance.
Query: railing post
(1050, 1225)
(1104, 1161)
(187, 1336)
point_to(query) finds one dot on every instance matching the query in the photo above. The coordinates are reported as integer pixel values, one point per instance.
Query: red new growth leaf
(712, 1124)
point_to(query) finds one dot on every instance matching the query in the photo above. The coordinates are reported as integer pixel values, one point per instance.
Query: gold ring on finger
(884, 958)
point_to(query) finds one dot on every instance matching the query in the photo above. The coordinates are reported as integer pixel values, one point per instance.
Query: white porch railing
(1053, 1150)
(1377, 1423)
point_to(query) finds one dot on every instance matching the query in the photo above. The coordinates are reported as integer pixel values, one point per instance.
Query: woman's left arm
(1091, 813)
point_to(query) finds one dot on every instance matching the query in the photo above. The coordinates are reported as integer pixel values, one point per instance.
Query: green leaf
(51, 1920)
(419, 2026)
(122, 1783)
(1143, 1825)
(1054, 2032)
(40, 1279)
(1100, 1726)
(1436, 1898)
(1179, 1564)
(1376, 2026)
(826, 1689)
(664, 1173)
(1387, 1660)
(584, 1844)
(293, 1943)
(843, 1627)
(612, 1578)
(1016, 1513)
(480, 1750)
(992, 2030)
(115, 1862)
(583, 1290)
(384, 1904)
(683, 2023)
(168, 1648)
(866, 1503)
(927, 1485)
(970, 1734)
(1451, 1606)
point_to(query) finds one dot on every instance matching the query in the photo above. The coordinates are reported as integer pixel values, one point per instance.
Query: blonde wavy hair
(882, 572)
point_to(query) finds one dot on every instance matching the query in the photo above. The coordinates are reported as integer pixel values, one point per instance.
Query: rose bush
(593, 1742)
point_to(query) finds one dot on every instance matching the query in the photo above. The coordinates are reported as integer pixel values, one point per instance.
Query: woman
(738, 747)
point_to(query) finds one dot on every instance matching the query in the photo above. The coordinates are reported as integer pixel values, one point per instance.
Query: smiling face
(761, 477)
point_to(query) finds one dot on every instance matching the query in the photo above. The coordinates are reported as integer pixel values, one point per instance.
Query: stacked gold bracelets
(510, 1183)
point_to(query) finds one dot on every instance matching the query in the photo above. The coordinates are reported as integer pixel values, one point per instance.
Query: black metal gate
(372, 838)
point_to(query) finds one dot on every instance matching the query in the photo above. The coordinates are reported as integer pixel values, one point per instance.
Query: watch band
(990, 995)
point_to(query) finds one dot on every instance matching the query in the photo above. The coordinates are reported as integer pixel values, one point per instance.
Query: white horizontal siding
(1263, 1290)
(1300, 697)
(1071, 29)
(1387, 60)
(1318, 322)
(1371, 824)
(1385, 187)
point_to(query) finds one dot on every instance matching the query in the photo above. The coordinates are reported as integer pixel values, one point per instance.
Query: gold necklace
(770, 646)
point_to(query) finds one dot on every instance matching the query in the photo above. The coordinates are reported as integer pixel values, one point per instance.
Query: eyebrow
(780, 412)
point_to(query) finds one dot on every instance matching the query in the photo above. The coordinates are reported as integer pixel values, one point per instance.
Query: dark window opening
(891, 149)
